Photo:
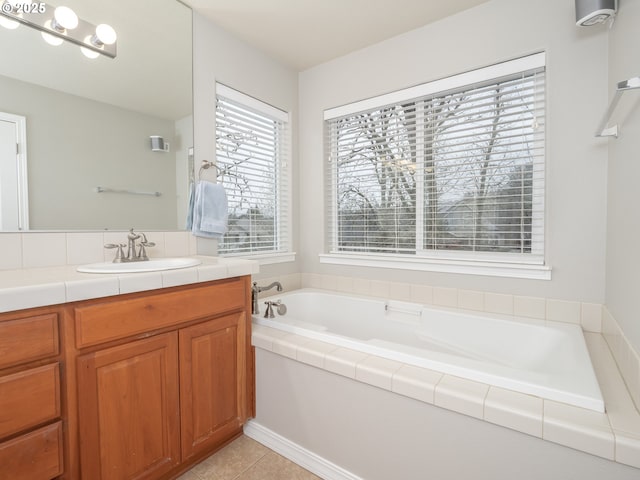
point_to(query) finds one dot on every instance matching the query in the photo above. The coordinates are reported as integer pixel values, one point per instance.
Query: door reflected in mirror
(89, 122)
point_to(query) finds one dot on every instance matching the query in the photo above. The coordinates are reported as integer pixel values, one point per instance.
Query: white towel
(210, 212)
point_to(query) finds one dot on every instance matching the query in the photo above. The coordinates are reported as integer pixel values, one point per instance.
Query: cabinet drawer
(29, 398)
(35, 456)
(101, 322)
(30, 338)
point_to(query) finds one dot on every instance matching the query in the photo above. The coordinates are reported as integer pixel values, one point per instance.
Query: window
(450, 171)
(252, 152)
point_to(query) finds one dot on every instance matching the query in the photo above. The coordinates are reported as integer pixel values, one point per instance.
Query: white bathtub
(549, 360)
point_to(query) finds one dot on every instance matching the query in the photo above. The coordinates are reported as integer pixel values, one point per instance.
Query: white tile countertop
(38, 287)
(614, 435)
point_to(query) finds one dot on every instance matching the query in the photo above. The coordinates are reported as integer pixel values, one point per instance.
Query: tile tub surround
(587, 315)
(626, 357)
(37, 287)
(614, 435)
(592, 317)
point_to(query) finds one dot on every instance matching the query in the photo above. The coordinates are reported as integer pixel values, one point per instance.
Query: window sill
(492, 269)
(267, 258)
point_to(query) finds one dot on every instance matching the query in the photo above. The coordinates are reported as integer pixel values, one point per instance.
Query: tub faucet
(255, 290)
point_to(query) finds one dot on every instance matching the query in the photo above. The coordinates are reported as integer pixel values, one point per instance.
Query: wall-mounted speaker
(592, 12)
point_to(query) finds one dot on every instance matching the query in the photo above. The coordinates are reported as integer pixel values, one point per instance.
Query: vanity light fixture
(58, 24)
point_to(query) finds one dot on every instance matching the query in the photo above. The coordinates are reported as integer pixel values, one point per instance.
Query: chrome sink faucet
(255, 290)
(132, 255)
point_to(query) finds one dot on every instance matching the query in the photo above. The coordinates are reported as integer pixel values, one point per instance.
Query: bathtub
(546, 359)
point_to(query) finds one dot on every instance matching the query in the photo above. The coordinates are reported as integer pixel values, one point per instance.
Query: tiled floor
(246, 459)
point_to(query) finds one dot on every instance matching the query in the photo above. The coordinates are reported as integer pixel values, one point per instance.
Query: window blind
(457, 173)
(252, 155)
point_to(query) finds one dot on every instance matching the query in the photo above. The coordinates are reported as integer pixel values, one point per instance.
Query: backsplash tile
(44, 250)
(471, 300)
(379, 289)
(176, 244)
(51, 249)
(530, 307)
(85, 247)
(422, 294)
(591, 317)
(563, 311)
(498, 303)
(445, 297)
(11, 248)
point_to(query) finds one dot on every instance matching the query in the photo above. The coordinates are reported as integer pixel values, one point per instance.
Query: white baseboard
(297, 454)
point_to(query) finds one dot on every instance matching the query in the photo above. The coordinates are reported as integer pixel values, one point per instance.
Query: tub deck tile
(578, 428)
(627, 449)
(377, 371)
(461, 395)
(313, 352)
(343, 361)
(288, 345)
(415, 382)
(263, 337)
(514, 410)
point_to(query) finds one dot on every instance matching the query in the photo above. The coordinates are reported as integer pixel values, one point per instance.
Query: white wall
(623, 226)
(219, 56)
(577, 95)
(75, 144)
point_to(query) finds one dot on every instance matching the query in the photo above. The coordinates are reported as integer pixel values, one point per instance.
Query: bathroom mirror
(88, 123)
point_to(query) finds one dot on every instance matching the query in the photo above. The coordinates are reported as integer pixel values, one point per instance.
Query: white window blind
(252, 155)
(455, 174)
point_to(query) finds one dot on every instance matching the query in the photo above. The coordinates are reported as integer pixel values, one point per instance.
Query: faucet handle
(119, 252)
(269, 312)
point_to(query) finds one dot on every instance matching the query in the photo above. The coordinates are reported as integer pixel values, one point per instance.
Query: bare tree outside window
(248, 145)
(455, 171)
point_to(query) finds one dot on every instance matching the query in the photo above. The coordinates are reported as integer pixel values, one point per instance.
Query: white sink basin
(136, 267)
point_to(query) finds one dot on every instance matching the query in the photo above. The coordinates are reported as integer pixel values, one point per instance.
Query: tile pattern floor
(246, 459)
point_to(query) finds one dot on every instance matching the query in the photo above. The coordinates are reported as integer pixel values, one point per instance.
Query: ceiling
(305, 33)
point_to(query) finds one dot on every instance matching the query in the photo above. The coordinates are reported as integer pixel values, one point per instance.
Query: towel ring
(205, 165)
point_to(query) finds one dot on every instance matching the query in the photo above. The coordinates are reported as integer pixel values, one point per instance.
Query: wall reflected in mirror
(89, 122)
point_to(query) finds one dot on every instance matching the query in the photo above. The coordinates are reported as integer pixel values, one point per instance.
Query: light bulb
(51, 39)
(106, 34)
(88, 52)
(8, 23)
(65, 18)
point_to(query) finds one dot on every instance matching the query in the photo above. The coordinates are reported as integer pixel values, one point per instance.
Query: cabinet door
(128, 410)
(212, 382)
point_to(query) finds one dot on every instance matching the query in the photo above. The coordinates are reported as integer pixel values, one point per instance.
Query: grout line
(268, 450)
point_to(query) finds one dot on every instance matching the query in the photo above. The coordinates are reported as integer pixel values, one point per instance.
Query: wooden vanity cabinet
(164, 378)
(213, 404)
(31, 432)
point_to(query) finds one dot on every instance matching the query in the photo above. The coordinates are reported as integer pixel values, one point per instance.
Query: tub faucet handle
(269, 312)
